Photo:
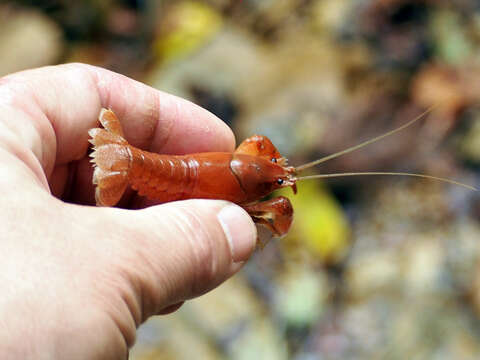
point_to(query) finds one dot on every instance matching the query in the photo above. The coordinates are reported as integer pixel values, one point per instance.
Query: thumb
(184, 249)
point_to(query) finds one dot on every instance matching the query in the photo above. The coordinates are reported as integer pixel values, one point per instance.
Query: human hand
(77, 280)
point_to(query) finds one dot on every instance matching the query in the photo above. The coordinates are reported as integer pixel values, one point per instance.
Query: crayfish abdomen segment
(160, 177)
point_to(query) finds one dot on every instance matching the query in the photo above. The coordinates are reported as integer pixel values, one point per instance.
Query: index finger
(68, 99)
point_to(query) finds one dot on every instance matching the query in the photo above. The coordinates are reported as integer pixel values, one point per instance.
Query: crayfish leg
(275, 214)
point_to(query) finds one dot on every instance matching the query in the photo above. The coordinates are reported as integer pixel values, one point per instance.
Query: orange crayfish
(251, 172)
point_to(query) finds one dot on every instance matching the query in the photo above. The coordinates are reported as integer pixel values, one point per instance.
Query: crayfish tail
(111, 158)
(99, 137)
(110, 122)
(110, 187)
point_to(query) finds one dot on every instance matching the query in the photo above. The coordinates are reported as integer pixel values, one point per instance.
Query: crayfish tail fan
(111, 157)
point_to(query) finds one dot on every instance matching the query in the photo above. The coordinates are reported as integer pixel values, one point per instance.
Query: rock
(28, 39)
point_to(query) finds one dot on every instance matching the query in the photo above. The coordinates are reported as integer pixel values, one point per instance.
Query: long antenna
(365, 143)
(320, 176)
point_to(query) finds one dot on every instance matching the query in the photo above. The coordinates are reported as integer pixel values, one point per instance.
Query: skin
(78, 280)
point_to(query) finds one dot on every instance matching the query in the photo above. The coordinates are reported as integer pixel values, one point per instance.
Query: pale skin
(77, 280)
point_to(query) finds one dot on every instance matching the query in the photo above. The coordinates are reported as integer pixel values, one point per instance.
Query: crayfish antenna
(365, 143)
(368, 142)
(323, 176)
(111, 159)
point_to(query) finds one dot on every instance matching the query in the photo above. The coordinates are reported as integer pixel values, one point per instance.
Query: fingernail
(240, 231)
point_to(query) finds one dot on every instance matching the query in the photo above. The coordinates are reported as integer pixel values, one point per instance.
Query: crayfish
(254, 170)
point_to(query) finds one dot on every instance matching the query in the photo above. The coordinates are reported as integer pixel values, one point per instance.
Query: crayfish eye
(280, 181)
(273, 160)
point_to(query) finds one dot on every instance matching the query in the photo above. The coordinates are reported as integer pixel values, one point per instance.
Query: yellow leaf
(190, 24)
(319, 223)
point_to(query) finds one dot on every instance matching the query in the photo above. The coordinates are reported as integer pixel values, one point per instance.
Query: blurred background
(373, 268)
